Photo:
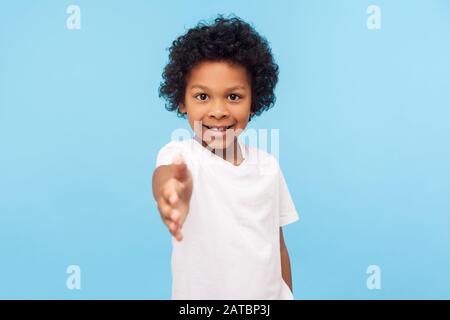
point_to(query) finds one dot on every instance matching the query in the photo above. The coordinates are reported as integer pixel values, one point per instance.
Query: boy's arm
(172, 190)
(285, 262)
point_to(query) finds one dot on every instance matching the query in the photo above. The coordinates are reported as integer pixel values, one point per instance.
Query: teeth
(217, 129)
(221, 129)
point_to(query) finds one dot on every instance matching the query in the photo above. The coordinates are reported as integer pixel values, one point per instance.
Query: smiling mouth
(218, 129)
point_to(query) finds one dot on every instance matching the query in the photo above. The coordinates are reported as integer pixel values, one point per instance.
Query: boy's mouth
(218, 128)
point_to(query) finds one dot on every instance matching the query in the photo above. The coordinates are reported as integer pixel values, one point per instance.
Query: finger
(172, 190)
(178, 235)
(172, 226)
(167, 222)
(172, 220)
(175, 215)
(168, 190)
(173, 198)
(164, 208)
(175, 231)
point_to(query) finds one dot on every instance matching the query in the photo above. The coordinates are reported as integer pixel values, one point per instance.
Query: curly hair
(227, 39)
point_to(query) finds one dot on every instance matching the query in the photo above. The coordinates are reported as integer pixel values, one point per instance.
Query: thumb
(180, 167)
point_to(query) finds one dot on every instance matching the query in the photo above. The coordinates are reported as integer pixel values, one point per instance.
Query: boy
(223, 202)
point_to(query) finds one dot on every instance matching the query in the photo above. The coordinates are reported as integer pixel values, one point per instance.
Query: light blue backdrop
(364, 119)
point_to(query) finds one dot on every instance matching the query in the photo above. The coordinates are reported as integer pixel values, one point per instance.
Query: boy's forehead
(209, 74)
(206, 87)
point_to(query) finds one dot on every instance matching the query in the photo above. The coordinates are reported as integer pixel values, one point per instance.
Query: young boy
(224, 202)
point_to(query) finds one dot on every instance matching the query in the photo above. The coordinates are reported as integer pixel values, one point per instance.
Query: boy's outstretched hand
(174, 196)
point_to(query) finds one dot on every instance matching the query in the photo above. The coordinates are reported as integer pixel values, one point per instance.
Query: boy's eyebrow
(206, 88)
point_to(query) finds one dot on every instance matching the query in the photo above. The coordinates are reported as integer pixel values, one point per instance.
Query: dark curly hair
(227, 39)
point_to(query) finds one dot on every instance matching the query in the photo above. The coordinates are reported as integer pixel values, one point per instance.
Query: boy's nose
(218, 112)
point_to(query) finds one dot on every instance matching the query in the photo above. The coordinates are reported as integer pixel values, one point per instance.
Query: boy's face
(218, 94)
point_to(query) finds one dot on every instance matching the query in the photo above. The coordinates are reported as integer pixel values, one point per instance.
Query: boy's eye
(234, 97)
(202, 96)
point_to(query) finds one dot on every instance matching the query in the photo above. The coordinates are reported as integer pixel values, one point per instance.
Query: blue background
(364, 130)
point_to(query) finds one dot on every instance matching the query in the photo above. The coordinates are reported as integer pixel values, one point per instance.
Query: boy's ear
(182, 108)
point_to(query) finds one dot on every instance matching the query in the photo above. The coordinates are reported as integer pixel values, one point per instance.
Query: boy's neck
(230, 155)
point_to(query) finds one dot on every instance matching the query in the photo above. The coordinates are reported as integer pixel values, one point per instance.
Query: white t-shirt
(231, 237)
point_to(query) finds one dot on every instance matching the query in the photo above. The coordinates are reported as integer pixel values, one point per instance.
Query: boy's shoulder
(181, 144)
(172, 148)
(261, 156)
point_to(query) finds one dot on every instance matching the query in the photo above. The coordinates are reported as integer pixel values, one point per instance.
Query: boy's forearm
(286, 268)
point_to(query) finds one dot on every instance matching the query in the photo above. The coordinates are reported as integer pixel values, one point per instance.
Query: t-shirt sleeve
(287, 211)
(168, 152)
